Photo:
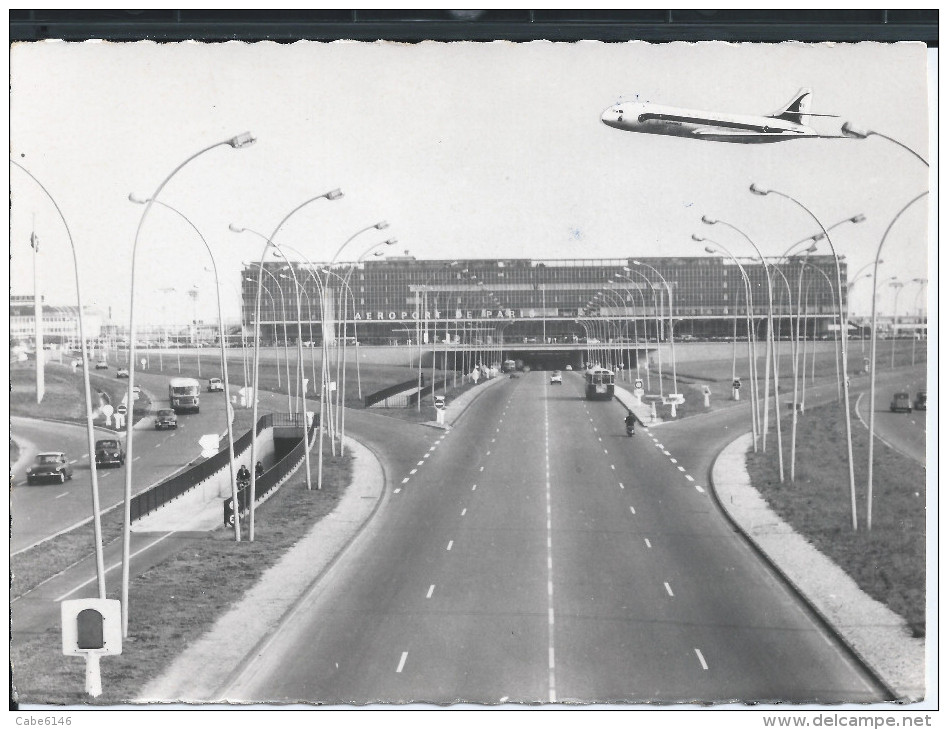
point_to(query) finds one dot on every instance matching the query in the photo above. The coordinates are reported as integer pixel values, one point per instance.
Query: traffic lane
(613, 641)
(347, 643)
(906, 432)
(39, 610)
(706, 592)
(42, 436)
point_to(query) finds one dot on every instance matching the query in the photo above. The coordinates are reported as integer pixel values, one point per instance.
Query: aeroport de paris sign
(456, 314)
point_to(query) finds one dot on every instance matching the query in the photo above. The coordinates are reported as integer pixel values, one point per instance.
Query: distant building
(553, 300)
(60, 323)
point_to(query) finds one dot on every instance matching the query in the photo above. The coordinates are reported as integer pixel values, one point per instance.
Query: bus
(185, 395)
(600, 384)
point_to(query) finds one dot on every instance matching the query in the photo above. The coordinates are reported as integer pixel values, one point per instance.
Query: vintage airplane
(786, 123)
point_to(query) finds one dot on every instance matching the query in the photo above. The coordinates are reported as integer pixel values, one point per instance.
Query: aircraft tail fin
(797, 108)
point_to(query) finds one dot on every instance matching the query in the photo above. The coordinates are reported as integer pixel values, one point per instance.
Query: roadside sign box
(736, 384)
(439, 402)
(91, 624)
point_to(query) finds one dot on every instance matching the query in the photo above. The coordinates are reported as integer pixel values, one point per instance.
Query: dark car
(122, 373)
(49, 465)
(165, 418)
(101, 365)
(109, 452)
(921, 400)
(901, 402)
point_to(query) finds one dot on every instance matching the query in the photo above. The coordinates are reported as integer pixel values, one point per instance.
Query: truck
(184, 394)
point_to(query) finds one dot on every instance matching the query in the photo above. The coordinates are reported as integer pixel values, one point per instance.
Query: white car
(215, 384)
(556, 377)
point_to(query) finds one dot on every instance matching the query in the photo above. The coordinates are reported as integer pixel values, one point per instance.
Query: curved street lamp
(771, 354)
(855, 132)
(671, 325)
(87, 392)
(334, 194)
(240, 141)
(220, 324)
(844, 326)
(898, 286)
(916, 334)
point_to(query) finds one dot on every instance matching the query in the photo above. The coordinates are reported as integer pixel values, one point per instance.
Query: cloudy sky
(474, 150)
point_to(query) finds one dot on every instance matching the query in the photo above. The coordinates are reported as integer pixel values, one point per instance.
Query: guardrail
(151, 499)
(427, 391)
(378, 396)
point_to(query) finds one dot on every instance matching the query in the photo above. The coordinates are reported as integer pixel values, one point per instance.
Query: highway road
(43, 510)
(535, 553)
(905, 432)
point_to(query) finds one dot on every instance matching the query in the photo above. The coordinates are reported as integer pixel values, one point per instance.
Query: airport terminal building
(484, 301)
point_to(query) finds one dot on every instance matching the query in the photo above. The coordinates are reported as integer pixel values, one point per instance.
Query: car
(121, 373)
(165, 418)
(569, 367)
(109, 452)
(215, 385)
(49, 465)
(136, 392)
(921, 400)
(901, 402)
(101, 365)
(556, 377)
(514, 374)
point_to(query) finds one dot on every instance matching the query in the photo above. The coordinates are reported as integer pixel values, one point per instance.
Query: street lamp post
(851, 131)
(843, 325)
(872, 356)
(917, 330)
(238, 142)
(220, 323)
(898, 286)
(331, 195)
(671, 325)
(87, 392)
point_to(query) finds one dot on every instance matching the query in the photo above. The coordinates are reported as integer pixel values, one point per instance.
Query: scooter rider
(630, 423)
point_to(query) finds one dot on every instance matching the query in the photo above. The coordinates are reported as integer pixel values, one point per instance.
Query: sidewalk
(874, 632)
(642, 411)
(206, 666)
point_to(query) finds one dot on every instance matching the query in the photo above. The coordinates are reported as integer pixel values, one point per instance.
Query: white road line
(474, 487)
(689, 477)
(430, 591)
(413, 471)
(549, 550)
(450, 543)
(681, 468)
(420, 463)
(150, 545)
(405, 480)
(673, 461)
(488, 453)
(661, 446)
(647, 543)
(613, 467)
(667, 453)
(669, 589)
(84, 456)
(74, 461)
(398, 490)
(704, 664)
(136, 458)
(632, 509)
(595, 429)
(621, 485)
(61, 495)
(401, 662)
(481, 469)
(605, 451)
(600, 439)
(463, 512)
(699, 488)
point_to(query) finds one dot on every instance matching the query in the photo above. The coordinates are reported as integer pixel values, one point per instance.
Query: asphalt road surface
(534, 554)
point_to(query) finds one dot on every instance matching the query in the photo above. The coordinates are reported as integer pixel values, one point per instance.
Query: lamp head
(379, 253)
(381, 224)
(391, 242)
(812, 248)
(708, 219)
(849, 130)
(637, 263)
(334, 194)
(235, 228)
(242, 140)
(137, 199)
(708, 249)
(757, 190)
(859, 218)
(696, 237)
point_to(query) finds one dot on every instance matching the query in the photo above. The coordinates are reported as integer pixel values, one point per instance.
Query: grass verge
(175, 602)
(888, 562)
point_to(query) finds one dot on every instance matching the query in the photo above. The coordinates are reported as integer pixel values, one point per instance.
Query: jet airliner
(788, 122)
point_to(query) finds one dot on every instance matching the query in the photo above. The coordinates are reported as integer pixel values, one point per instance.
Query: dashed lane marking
(704, 664)
(413, 471)
(450, 543)
(401, 662)
(689, 477)
(681, 468)
(647, 543)
(621, 485)
(397, 490)
(430, 590)
(405, 480)
(463, 512)
(669, 589)
(632, 509)
(61, 495)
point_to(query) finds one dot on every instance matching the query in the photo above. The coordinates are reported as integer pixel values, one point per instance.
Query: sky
(467, 150)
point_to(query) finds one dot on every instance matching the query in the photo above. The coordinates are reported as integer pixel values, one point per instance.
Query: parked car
(921, 400)
(102, 365)
(51, 465)
(109, 452)
(569, 367)
(556, 377)
(121, 373)
(901, 402)
(215, 385)
(136, 392)
(165, 418)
